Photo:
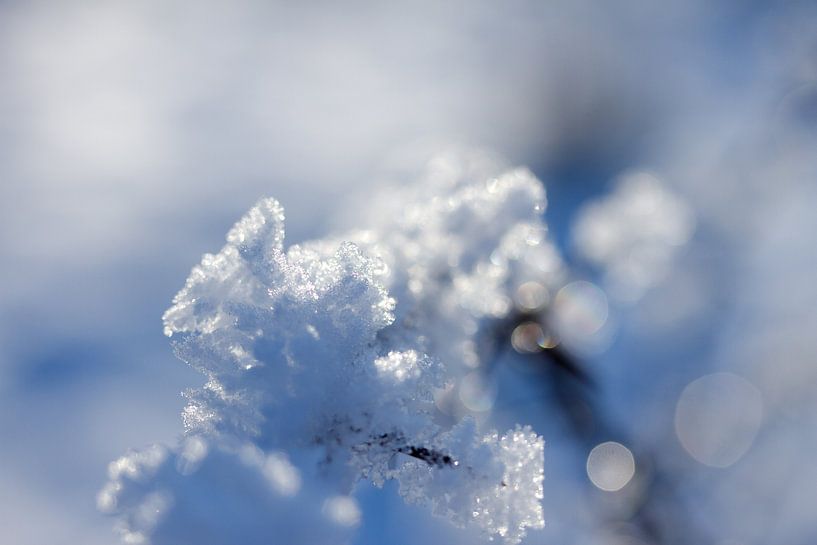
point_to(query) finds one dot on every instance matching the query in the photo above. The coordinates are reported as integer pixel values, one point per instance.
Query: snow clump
(321, 361)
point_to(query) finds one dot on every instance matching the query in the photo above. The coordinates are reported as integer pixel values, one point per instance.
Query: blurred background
(133, 134)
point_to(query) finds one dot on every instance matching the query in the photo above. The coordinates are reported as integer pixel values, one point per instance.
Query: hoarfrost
(321, 362)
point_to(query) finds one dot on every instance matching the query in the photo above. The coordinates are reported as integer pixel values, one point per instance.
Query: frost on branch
(321, 362)
(634, 233)
(475, 494)
(456, 245)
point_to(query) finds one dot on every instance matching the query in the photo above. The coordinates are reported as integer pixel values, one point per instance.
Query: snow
(236, 495)
(136, 134)
(321, 364)
(634, 233)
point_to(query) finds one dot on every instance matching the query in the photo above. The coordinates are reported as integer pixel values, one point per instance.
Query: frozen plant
(321, 365)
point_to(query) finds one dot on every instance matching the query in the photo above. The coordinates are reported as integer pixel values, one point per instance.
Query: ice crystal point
(260, 230)
(320, 363)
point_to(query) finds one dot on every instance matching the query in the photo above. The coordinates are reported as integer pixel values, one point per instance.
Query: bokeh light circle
(610, 466)
(717, 418)
(580, 309)
(476, 392)
(531, 296)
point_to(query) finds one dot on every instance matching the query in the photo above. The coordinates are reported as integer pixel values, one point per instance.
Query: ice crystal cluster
(321, 365)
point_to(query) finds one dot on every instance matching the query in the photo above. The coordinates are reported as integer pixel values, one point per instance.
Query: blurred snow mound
(633, 233)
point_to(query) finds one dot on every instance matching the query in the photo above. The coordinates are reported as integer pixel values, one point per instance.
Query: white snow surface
(321, 363)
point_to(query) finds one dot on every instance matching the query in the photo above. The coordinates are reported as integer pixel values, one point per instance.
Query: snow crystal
(496, 484)
(321, 362)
